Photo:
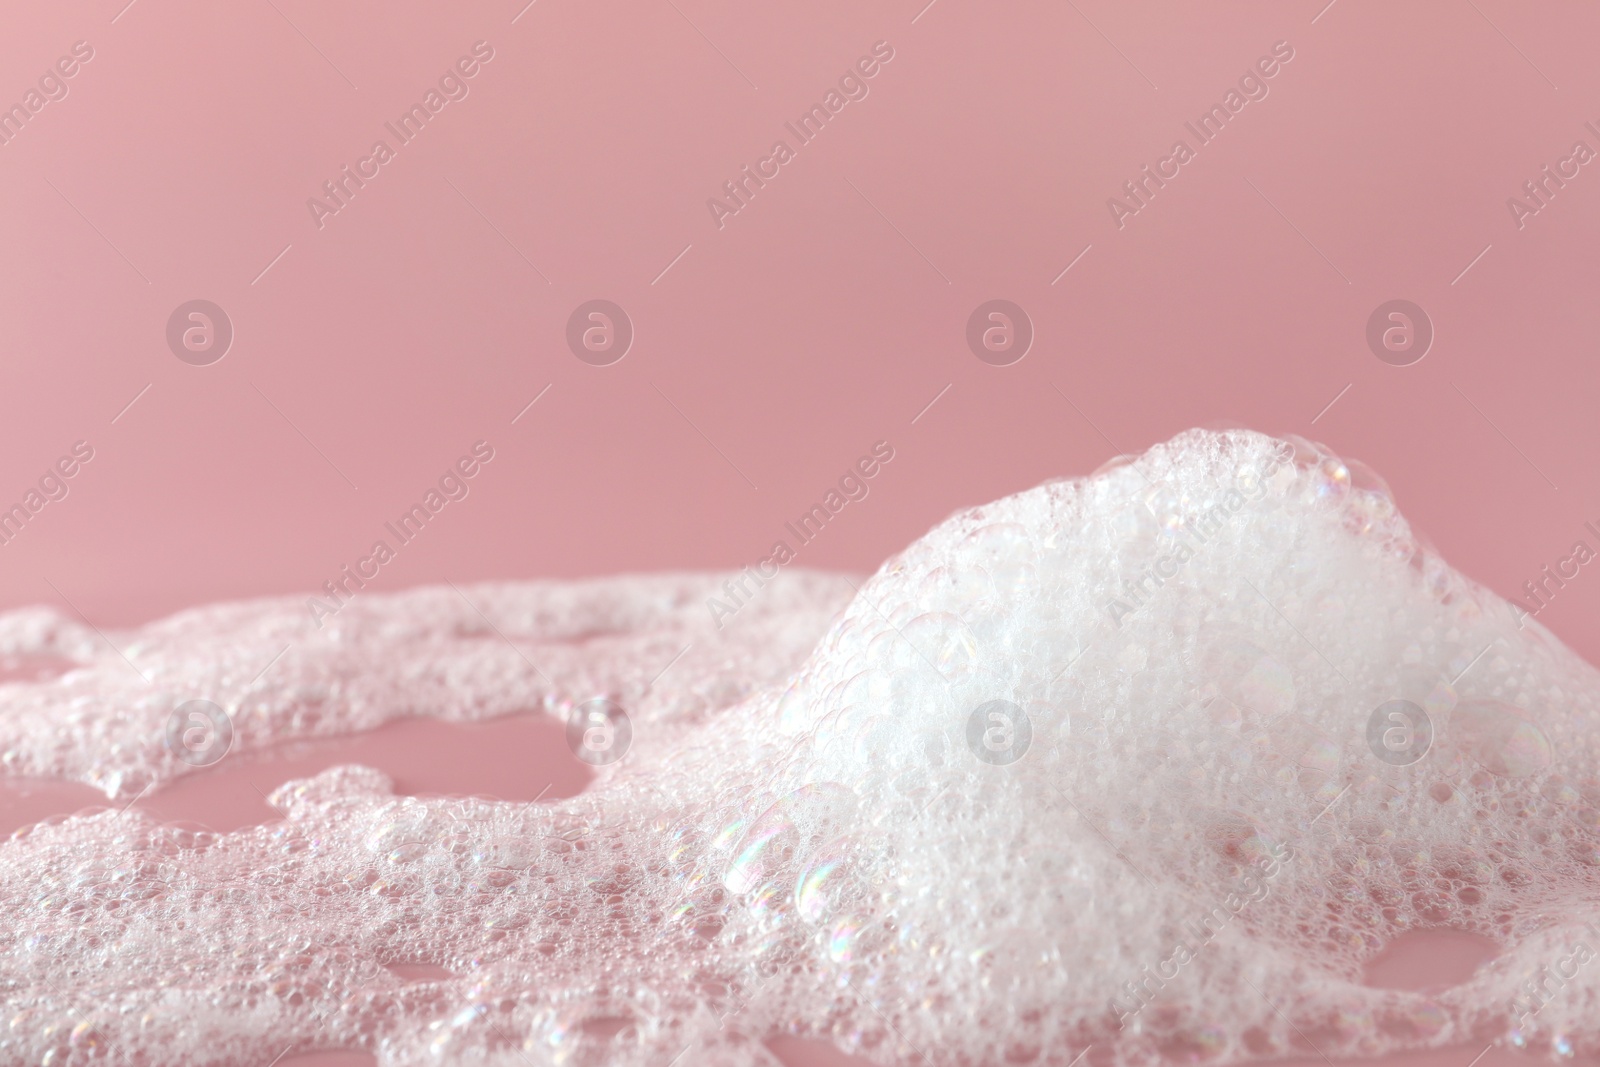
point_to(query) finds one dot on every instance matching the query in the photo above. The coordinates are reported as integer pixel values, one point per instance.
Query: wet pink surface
(514, 758)
(370, 352)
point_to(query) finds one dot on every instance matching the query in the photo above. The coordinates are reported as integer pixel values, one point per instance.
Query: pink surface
(770, 348)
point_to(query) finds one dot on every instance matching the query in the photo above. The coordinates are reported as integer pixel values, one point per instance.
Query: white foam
(1198, 640)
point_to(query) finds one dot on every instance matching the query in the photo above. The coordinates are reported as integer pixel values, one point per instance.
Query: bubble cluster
(1091, 767)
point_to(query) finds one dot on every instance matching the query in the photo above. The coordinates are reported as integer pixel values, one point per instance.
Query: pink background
(823, 317)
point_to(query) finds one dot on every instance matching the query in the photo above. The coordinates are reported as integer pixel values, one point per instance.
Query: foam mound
(1147, 763)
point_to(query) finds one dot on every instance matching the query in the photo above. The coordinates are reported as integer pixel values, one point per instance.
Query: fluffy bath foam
(1147, 764)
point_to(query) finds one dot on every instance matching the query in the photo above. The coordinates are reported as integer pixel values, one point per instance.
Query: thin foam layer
(1150, 763)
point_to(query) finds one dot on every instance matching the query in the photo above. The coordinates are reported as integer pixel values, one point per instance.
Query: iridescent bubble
(1164, 507)
(797, 709)
(842, 941)
(1330, 480)
(783, 837)
(824, 879)
(729, 834)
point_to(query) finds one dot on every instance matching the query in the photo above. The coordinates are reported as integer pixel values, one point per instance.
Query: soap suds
(1177, 842)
